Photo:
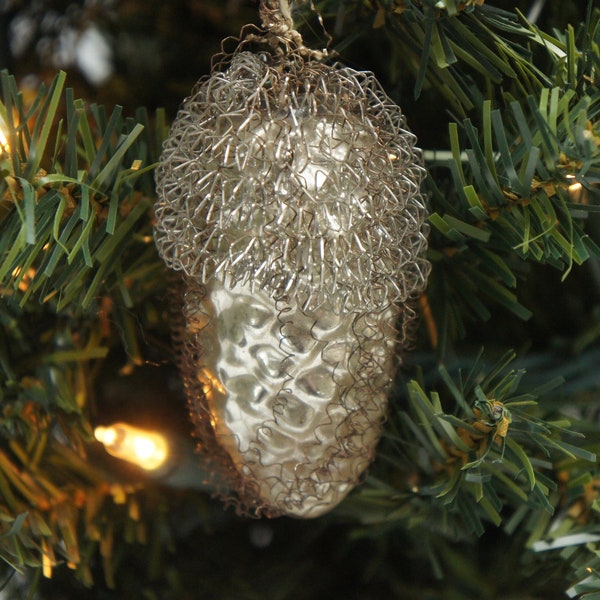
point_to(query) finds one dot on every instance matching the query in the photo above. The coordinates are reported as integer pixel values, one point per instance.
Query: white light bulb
(147, 449)
(4, 148)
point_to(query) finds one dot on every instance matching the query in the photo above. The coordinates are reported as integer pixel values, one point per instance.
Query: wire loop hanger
(279, 30)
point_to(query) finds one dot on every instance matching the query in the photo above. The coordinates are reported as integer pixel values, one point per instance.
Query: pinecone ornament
(289, 198)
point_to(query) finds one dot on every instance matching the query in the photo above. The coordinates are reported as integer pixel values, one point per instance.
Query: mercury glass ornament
(289, 198)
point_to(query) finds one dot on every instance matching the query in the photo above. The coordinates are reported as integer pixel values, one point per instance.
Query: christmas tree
(484, 484)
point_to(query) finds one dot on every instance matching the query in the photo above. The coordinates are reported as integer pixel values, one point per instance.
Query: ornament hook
(277, 21)
(276, 15)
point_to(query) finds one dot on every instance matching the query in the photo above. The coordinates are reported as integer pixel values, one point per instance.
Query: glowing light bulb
(147, 449)
(576, 190)
(4, 147)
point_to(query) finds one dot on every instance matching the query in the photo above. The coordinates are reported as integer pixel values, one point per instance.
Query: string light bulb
(575, 190)
(147, 449)
(4, 147)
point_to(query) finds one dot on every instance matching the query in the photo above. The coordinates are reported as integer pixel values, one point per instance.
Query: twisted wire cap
(289, 197)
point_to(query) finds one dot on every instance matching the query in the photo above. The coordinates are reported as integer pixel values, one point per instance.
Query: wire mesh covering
(289, 197)
(298, 178)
